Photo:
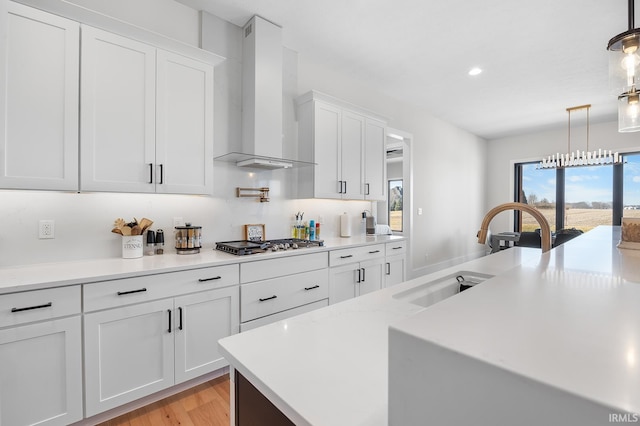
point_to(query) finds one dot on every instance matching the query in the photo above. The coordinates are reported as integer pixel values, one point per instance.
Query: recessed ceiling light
(475, 71)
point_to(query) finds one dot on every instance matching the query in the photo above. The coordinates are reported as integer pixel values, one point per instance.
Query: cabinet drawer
(357, 254)
(271, 268)
(278, 294)
(250, 325)
(398, 247)
(109, 294)
(38, 305)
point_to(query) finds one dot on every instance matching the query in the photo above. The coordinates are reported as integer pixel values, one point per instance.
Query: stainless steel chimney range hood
(261, 99)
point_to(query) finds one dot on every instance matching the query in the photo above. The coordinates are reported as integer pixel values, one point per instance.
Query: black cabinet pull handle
(267, 298)
(388, 268)
(359, 276)
(209, 279)
(363, 275)
(367, 185)
(346, 257)
(29, 308)
(374, 252)
(161, 175)
(150, 173)
(169, 310)
(311, 288)
(180, 318)
(122, 293)
(340, 190)
(345, 187)
(396, 248)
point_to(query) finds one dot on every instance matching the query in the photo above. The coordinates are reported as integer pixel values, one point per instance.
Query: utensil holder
(132, 246)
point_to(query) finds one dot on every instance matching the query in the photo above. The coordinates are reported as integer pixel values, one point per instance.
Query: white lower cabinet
(40, 357)
(355, 271)
(394, 273)
(128, 354)
(355, 279)
(395, 263)
(203, 319)
(133, 351)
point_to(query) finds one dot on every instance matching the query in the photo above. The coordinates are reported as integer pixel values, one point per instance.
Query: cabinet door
(128, 354)
(41, 373)
(351, 155)
(202, 319)
(371, 277)
(184, 132)
(39, 101)
(342, 283)
(327, 155)
(117, 104)
(395, 267)
(375, 164)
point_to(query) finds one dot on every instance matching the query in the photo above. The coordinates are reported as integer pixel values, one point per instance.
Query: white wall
(449, 166)
(504, 153)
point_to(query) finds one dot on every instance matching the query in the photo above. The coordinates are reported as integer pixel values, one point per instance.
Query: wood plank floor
(203, 405)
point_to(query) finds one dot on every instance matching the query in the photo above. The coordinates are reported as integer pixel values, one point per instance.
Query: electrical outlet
(178, 221)
(46, 229)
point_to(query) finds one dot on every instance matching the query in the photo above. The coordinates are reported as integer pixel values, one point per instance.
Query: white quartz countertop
(568, 322)
(568, 318)
(329, 366)
(47, 275)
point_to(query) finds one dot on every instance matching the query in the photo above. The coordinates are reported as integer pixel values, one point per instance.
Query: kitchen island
(360, 362)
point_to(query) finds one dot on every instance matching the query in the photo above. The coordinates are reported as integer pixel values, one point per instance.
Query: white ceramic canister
(345, 225)
(132, 246)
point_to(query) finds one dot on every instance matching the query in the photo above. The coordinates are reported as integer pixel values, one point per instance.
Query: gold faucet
(544, 225)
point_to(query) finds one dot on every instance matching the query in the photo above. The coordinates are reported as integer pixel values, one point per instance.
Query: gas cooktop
(244, 247)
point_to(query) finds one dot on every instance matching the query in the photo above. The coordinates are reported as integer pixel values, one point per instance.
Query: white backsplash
(83, 222)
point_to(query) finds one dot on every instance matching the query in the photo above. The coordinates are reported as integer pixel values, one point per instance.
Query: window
(395, 204)
(631, 193)
(537, 188)
(588, 197)
(579, 197)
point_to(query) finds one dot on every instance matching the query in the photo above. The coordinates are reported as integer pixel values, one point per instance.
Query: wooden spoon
(125, 230)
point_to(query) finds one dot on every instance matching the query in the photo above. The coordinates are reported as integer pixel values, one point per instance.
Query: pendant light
(579, 158)
(624, 73)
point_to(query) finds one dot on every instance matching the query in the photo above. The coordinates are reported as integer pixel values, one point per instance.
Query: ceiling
(538, 57)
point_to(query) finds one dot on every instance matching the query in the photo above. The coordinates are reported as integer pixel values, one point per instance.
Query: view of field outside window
(538, 190)
(395, 204)
(588, 194)
(631, 192)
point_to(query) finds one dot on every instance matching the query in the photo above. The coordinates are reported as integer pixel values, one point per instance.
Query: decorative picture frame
(254, 232)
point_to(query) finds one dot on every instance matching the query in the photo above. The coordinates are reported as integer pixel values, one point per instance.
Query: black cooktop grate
(244, 247)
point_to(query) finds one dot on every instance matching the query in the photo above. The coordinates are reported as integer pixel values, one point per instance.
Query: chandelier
(579, 158)
(624, 73)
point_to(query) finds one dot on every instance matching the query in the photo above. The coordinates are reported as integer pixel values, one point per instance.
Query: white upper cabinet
(325, 129)
(347, 145)
(39, 100)
(375, 161)
(147, 118)
(117, 113)
(350, 160)
(84, 109)
(184, 124)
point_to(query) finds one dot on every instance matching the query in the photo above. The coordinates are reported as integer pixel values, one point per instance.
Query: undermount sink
(441, 288)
